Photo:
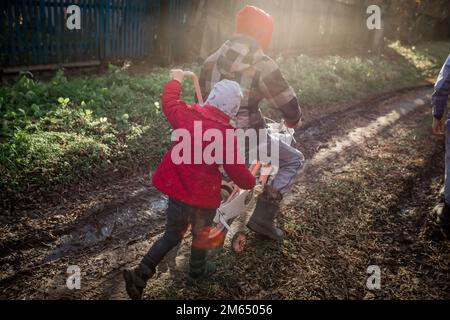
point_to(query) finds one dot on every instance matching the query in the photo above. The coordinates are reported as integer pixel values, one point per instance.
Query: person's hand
(298, 125)
(438, 127)
(177, 74)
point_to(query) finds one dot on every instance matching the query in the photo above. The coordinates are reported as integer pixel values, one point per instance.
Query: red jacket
(197, 185)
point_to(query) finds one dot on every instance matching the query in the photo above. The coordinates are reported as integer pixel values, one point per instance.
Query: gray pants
(291, 162)
(447, 163)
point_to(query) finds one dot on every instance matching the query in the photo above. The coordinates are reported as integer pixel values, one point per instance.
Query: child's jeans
(179, 217)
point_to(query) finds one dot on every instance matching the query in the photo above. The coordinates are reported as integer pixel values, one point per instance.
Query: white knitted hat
(226, 96)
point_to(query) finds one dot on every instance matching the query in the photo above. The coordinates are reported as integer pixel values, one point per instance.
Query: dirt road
(373, 176)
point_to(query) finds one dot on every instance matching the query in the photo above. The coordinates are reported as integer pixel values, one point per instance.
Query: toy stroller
(235, 201)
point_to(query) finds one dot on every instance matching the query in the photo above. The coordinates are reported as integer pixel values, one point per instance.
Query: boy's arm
(205, 80)
(173, 107)
(441, 91)
(239, 173)
(280, 94)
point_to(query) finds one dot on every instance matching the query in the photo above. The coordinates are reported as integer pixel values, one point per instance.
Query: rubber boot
(199, 266)
(201, 269)
(136, 280)
(267, 208)
(442, 212)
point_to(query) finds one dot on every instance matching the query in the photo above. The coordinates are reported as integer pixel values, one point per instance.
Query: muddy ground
(373, 175)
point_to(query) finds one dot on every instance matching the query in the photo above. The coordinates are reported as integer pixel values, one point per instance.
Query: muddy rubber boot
(136, 280)
(267, 208)
(442, 212)
(201, 270)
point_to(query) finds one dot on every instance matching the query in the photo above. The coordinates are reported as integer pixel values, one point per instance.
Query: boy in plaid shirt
(242, 59)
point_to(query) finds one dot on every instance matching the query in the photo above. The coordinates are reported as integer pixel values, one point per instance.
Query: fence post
(163, 39)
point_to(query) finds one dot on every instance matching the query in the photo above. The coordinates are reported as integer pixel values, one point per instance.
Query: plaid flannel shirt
(241, 59)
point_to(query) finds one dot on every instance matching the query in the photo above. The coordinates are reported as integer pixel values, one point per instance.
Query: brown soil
(373, 176)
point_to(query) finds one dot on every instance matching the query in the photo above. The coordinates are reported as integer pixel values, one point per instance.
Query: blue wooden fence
(35, 31)
(179, 13)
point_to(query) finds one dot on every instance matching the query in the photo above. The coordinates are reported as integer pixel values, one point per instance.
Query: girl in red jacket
(193, 188)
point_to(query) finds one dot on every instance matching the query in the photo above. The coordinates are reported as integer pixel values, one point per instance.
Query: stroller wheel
(239, 242)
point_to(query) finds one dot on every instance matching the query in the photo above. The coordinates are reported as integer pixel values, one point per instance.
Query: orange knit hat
(256, 23)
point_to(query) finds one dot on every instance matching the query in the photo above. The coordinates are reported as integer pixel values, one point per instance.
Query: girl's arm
(173, 107)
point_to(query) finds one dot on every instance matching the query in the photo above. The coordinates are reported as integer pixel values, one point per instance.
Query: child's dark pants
(179, 217)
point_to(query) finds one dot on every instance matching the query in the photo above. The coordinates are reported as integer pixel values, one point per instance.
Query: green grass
(64, 130)
(319, 80)
(331, 79)
(427, 58)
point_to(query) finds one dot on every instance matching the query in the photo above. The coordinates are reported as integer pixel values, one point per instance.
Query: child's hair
(226, 96)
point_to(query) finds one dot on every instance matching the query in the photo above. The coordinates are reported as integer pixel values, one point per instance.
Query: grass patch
(64, 130)
(47, 158)
(61, 131)
(427, 58)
